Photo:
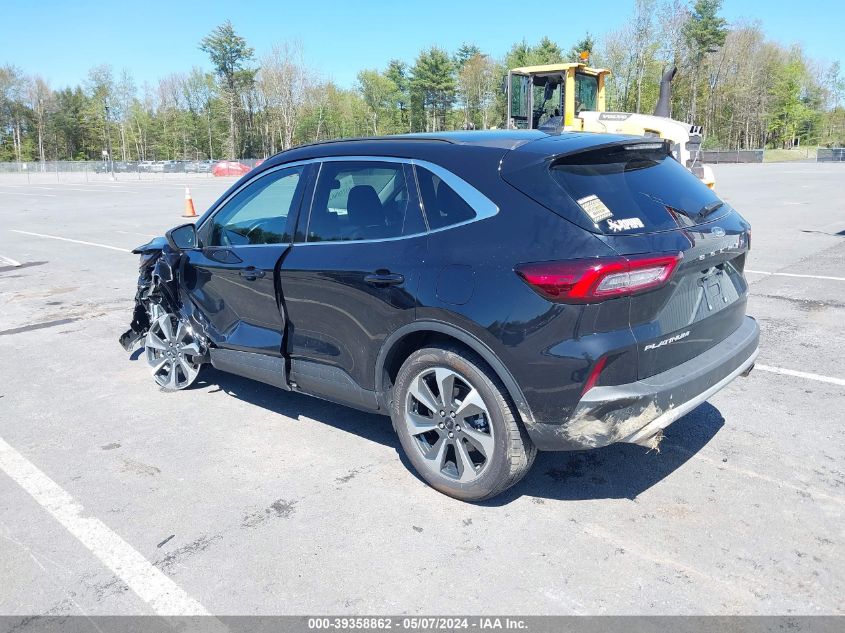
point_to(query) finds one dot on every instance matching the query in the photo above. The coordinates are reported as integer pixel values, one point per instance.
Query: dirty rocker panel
(261, 367)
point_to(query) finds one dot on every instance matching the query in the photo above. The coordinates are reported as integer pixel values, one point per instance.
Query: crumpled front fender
(157, 283)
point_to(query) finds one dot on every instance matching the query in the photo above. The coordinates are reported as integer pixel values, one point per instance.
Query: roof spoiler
(633, 144)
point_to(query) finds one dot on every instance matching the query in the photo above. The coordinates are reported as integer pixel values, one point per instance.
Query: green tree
(397, 72)
(704, 32)
(547, 52)
(585, 44)
(379, 93)
(229, 53)
(464, 54)
(520, 54)
(477, 86)
(13, 112)
(65, 125)
(785, 103)
(99, 111)
(433, 85)
(544, 52)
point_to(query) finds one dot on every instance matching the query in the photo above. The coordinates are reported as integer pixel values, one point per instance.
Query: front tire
(173, 352)
(457, 425)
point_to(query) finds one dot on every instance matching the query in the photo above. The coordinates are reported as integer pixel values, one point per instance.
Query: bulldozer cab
(550, 96)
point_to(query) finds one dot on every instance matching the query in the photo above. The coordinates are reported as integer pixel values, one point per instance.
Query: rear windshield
(628, 189)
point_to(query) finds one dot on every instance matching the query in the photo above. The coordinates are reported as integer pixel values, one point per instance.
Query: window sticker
(595, 208)
(625, 224)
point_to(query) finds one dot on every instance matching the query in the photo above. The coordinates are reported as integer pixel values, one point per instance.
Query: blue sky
(62, 40)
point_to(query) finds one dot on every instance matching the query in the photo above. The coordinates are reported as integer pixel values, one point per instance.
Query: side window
(443, 207)
(360, 200)
(258, 214)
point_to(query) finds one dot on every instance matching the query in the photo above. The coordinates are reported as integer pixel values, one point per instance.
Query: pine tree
(704, 33)
(433, 81)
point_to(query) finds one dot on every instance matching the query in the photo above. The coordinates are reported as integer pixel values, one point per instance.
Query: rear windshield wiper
(707, 209)
(668, 206)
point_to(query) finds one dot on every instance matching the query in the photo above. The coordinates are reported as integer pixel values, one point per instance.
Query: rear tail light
(591, 280)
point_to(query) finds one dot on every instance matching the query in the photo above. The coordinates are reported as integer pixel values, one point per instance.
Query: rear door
(232, 279)
(519, 101)
(351, 279)
(640, 201)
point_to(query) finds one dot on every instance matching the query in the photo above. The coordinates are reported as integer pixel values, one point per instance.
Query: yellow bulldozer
(571, 96)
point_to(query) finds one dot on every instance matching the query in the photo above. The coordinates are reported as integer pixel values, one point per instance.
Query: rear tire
(469, 444)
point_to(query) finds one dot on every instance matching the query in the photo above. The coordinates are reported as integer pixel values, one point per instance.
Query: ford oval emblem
(718, 231)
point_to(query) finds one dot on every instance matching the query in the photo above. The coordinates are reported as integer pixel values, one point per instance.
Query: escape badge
(595, 208)
(626, 224)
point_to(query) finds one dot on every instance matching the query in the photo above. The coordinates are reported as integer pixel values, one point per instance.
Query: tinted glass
(443, 206)
(544, 108)
(520, 85)
(645, 190)
(258, 214)
(359, 200)
(586, 91)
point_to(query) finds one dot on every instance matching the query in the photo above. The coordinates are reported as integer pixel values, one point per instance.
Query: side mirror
(182, 237)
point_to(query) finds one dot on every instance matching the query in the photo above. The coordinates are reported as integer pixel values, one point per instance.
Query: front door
(352, 279)
(233, 278)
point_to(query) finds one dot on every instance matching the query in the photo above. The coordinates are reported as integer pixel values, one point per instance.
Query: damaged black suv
(495, 293)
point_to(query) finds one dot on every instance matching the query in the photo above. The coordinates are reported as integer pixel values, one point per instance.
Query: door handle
(251, 273)
(384, 278)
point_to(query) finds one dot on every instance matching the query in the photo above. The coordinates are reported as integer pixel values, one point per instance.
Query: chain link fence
(830, 155)
(76, 171)
(731, 156)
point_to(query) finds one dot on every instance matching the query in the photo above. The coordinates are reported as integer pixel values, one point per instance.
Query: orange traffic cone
(190, 212)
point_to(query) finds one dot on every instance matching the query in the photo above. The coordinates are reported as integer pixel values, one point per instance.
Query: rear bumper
(637, 412)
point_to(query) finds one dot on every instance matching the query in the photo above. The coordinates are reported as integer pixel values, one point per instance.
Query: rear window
(623, 189)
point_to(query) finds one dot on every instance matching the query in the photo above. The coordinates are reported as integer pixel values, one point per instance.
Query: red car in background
(232, 168)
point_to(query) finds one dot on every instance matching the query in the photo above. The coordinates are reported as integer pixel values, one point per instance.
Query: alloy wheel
(450, 424)
(173, 352)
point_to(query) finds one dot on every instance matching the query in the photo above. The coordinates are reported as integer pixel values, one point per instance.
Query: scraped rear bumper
(637, 412)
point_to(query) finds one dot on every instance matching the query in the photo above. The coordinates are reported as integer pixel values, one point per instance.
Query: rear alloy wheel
(457, 426)
(173, 353)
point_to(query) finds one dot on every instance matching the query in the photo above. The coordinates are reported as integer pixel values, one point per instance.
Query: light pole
(108, 141)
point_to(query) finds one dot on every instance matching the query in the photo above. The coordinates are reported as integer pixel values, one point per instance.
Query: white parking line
(26, 187)
(67, 187)
(100, 190)
(763, 272)
(164, 596)
(801, 374)
(20, 193)
(67, 239)
(8, 261)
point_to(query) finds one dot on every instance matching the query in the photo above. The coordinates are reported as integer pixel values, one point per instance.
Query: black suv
(495, 293)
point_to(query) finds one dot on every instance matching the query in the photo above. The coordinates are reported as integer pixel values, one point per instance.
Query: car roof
(408, 144)
(437, 146)
(503, 139)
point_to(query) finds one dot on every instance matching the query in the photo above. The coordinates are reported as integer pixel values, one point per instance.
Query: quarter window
(258, 214)
(361, 200)
(443, 207)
